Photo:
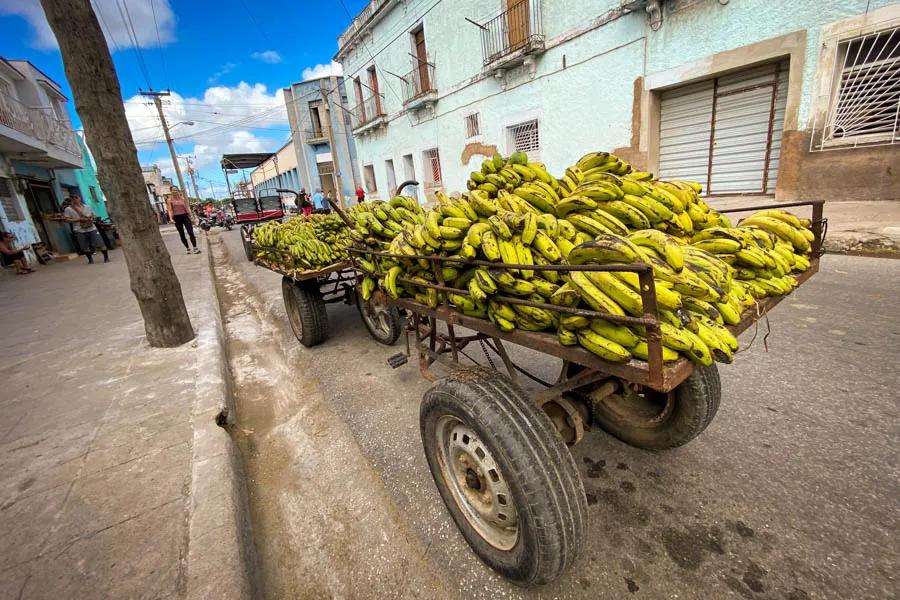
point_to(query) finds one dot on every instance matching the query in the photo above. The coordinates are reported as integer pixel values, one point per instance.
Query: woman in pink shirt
(177, 207)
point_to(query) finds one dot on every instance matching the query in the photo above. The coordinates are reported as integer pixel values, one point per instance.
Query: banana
(502, 310)
(619, 291)
(663, 244)
(602, 347)
(588, 225)
(567, 337)
(500, 229)
(640, 350)
(478, 294)
(546, 247)
(574, 203)
(566, 295)
(607, 248)
(719, 245)
(476, 230)
(618, 333)
(432, 225)
(784, 230)
(548, 223)
(523, 254)
(529, 228)
(490, 246)
(567, 231)
(390, 281)
(592, 295)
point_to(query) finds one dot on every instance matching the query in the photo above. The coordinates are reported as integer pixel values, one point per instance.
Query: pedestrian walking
(329, 198)
(304, 203)
(360, 195)
(87, 238)
(318, 200)
(179, 214)
(13, 255)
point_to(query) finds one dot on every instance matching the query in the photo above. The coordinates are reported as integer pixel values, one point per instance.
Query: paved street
(98, 455)
(791, 493)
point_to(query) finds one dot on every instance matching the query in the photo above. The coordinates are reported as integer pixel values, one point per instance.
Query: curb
(221, 561)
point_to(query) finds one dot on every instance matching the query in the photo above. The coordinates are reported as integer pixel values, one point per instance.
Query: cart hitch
(397, 360)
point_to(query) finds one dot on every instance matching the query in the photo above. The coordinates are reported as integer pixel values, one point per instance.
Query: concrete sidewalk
(116, 481)
(865, 228)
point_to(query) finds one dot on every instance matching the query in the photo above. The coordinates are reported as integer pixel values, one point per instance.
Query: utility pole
(193, 181)
(335, 165)
(162, 119)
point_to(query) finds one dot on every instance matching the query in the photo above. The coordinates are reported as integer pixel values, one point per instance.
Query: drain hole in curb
(222, 418)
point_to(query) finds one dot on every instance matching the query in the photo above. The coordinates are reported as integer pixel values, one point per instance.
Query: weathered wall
(590, 89)
(23, 229)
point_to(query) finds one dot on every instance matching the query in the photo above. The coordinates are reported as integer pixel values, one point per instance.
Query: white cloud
(114, 26)
(223, 70)
(227, 119)
(323, 70)
(269, 56)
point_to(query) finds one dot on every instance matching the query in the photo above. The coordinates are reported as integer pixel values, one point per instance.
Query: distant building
(38, 152)
(279, 172)
(796, 100)
(317, 111)
(158, 187)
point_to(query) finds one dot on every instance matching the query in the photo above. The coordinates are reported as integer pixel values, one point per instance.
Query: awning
(245, 161)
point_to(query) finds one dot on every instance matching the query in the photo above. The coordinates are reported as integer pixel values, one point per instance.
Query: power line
(133, 37)
(255, 22)
(162, 54)
(105, 27)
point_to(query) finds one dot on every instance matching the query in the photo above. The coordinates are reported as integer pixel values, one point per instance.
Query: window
(524, 137)
(8, 200)
(373, 86)
(369, 176)
(432, 160)
(866, 94)
(315, 119)
(93, 191)
(473, 127)
(5, 88)
(391, 175)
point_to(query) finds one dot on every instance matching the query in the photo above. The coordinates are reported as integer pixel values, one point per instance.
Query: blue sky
(224, 61)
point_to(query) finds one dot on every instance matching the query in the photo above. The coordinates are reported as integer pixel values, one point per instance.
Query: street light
(188, 123)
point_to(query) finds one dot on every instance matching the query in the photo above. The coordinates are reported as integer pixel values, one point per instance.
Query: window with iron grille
(866, 92)
(432, 160)
(524, 137)
(8, 201)
(473, 127)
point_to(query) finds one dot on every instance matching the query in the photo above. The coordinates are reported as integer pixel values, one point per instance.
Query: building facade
(796, 100)
(318, 114)
(279, 172)
(38, 152)
(158, 188)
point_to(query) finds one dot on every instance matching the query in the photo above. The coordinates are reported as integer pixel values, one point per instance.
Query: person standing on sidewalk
(178, 209)
(86, 235)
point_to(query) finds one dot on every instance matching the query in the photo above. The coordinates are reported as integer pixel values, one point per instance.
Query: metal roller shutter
(726, 133)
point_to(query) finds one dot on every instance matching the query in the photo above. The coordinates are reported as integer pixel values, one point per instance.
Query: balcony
(36, 135)
(369, 115)
(510, 37)
(316, 135)
(418, 86)
(361, 21)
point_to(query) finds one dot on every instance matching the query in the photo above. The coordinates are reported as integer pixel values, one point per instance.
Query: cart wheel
(306, 312)
(382, 319)
(653, 420)
(248, 246)
(504, 474)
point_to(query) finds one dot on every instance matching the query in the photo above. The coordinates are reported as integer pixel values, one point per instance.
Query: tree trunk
(98, 100)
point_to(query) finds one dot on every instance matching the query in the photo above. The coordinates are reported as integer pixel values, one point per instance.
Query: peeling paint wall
(23, 229)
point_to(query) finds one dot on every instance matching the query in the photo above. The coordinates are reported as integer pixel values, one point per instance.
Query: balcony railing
(360, 21)
(316, 135)
(368, 111)
(516, 28)
(14, 115)
(419, 82)
(39, 124)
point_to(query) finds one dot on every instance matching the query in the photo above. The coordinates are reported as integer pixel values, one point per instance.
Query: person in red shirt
(360, 195)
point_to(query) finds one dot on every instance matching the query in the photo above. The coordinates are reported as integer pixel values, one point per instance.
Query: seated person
(14, 255)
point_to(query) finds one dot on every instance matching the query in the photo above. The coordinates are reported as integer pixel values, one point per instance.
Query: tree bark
(98, 100)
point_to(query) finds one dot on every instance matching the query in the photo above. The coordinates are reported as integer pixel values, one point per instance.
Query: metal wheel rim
(640, 407)
(478, 486)
(377, 316)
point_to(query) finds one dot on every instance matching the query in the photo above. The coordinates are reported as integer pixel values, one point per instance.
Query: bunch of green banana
(303, 243)
(706, 272)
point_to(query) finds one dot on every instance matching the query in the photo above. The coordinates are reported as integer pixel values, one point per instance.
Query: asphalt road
(791, 493)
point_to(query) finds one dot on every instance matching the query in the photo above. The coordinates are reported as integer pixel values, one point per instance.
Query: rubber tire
(696, 403)
(306, 312)
(248, 250)
(396, 323)
(541, 473)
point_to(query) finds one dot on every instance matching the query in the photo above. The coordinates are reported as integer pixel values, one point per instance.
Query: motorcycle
(217, 219)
